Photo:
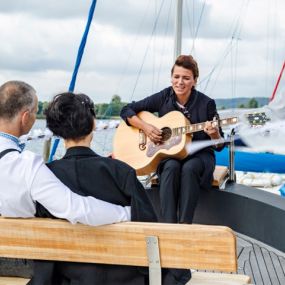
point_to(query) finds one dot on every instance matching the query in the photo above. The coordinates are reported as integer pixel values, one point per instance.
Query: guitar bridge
(154, 148)
(142, 140)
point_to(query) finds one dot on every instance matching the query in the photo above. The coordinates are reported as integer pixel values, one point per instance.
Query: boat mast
(178, 29)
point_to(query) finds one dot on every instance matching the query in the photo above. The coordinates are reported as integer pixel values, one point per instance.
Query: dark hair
(14, 96)
(70, 116)
(188, 62)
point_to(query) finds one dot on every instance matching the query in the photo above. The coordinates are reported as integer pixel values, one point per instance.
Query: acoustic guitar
(132, 146)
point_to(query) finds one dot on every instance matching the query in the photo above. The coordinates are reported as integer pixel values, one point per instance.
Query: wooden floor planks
(263, 264)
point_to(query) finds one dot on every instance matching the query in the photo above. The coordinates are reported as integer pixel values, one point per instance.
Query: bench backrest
(180, 245)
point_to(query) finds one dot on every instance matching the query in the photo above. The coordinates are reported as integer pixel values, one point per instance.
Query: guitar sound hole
(166, 134)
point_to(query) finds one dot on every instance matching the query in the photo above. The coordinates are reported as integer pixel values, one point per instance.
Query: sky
(239, 46)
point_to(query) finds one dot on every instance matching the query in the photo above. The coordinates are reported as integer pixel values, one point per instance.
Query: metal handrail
(232, 176)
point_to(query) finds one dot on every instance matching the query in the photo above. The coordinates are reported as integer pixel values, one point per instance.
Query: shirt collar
(13, 139)
(79, 151)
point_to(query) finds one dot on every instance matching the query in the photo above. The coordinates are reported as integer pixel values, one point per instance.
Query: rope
(77, 65)
(164, 45)
(199, 21)
(195, 31)
(144, 57)
(133, 48)
(235, 37)
(277, 83)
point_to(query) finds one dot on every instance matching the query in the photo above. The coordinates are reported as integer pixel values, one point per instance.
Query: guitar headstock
(257, 119)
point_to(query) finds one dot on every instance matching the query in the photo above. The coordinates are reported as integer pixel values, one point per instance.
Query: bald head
(14, 97)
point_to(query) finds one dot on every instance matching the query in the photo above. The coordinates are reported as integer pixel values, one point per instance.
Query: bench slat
(209, 278)
(13, 281)
(196, 246)
(219, 175)
(198, 278)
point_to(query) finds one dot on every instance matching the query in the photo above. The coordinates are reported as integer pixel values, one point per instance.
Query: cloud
(29, 44)
(40, 41)
(51, 9)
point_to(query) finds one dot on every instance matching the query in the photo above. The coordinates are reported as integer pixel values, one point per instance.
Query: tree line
(112, 109)
(252, 103)
(103, 110)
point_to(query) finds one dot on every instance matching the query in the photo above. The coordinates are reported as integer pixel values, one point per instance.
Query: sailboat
(265, 155)
(257, 216)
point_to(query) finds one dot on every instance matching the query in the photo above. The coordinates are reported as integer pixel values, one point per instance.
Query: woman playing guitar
(180, 180)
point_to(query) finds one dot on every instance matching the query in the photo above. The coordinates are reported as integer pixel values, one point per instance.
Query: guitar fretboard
(189, 129)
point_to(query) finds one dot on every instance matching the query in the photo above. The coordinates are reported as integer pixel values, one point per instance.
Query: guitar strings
(269, 137)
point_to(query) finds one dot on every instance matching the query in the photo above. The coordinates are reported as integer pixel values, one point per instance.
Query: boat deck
(265, 265)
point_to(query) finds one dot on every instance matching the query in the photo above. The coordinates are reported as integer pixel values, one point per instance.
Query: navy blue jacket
(88, 174)
(200, 107)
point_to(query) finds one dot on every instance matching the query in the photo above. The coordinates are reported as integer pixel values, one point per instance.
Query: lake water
(102, 141)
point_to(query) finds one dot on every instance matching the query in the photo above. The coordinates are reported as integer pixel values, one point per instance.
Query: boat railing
(232, 176)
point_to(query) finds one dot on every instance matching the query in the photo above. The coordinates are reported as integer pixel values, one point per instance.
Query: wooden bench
(220, 175)
(140, 244)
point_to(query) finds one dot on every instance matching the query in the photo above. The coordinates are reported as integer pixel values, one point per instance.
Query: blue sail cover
(77, 65)
(253, 162)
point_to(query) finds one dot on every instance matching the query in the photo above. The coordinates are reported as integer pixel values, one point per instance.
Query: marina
(254, 213)
(249, 197)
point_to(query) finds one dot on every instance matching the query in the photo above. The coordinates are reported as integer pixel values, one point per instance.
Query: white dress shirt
(24, 179)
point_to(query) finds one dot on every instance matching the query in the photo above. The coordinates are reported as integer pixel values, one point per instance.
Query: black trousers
(86, 274)
(91, 274)
(179, 189)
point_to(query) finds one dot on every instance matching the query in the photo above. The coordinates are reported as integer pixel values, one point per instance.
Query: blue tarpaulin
(253, 162)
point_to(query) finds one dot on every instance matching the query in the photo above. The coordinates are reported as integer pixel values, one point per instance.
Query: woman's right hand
(154, 134)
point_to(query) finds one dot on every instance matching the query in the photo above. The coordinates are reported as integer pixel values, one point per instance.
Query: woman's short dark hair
(70, 116)
(188, 62)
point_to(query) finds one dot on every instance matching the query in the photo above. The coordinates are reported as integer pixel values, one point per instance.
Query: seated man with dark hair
(72, 117)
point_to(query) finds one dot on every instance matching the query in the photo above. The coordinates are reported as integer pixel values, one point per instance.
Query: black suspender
(4, 152)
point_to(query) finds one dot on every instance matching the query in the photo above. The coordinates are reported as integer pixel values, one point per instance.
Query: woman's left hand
(212, 130)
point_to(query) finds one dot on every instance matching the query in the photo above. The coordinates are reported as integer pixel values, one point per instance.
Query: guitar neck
(189, 129)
